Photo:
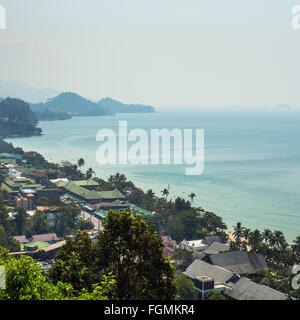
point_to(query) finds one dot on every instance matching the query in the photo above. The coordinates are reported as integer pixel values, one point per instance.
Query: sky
(166, 53)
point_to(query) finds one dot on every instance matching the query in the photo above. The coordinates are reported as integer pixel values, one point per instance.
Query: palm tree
(278, 240)
(255, 240)
(89, 173)
(238, 233)
(267, 236)
(80, 162)
(192, 196)
(165, 193)
(246, 233)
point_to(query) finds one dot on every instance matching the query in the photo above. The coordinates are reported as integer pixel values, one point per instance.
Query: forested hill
(119, 107)
(17, 119)
(72, 104)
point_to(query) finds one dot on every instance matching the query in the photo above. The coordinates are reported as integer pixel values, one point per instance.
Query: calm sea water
(252, 161)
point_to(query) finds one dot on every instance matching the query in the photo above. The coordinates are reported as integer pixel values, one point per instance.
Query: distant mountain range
(68, 103)
(119, 107)
(75, 105)
(72, 104)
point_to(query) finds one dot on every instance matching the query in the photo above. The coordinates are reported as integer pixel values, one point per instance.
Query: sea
(251, 160)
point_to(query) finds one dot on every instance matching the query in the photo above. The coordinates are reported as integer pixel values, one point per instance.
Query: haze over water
(252, 161)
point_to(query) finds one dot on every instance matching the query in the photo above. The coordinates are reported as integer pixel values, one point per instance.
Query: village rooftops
(195, 245)
(86, 183)
(202, 268)
(217, 247)
(48, 237)
(91, 194)
(59, 181)
(246, 289)
(239, 262)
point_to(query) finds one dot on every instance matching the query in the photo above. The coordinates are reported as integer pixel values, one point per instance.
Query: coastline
(255, 210)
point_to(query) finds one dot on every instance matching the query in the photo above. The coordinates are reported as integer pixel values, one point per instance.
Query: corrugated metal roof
(246, 289)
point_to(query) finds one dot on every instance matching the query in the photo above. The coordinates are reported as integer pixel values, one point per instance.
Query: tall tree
(132, 251)
(81, 162)
(89, 173)
(192, 196)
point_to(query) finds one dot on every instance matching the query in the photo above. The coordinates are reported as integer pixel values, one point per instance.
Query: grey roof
(210, 240)
(217, 247)
(202, 268)
(199, 255)
(258, 261)
(236, 261)
(246, 289)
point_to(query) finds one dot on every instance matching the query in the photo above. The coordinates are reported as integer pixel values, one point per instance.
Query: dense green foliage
(51, 115)
(17, 119)
(72, 104)
(26, 281)
(185, 286)
(119, 107)
(127, 248)
(214, 295)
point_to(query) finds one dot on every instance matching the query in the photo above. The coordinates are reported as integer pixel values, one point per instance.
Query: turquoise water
(252, 167)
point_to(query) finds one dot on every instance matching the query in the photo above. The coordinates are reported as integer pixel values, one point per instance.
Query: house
(13, 185)
(168, 252)
(206, 277)
(168, 241)
(245, 289)
(217, 247)
(211, 239)
(48, 237)
(239, 262)
(47, 193)
(90, 196)
(88, 184)
(195, 245)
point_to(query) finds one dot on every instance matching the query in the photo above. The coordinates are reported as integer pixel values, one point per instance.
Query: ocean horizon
(251, 171)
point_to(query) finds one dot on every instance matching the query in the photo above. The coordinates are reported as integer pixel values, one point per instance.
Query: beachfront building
(195, 245)
(84, 192)
(239, 262)
(207, 277)
(13, 186)
(245, 289)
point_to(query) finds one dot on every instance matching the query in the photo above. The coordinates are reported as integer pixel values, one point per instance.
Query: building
(239, 262)
(91, 196)
(48, 237)
(21, 202)
(195, 245)
(211, 239)
(88, 184)
(47, 193)
(13, 186)
(217, 247)
(206, 277)
(245, 289)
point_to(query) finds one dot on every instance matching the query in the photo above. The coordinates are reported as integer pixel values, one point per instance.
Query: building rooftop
(86, 183)
(217, 247)
(239, 262)
(246, 289)
(202, 268)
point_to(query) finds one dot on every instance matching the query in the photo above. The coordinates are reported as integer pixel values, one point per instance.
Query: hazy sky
(159, 52)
